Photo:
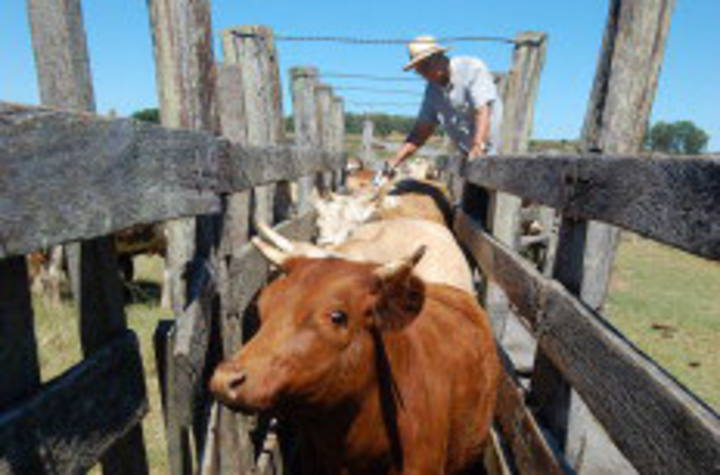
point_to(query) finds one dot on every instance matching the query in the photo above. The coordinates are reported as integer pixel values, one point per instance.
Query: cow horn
(393, 268)
(273, 254)
(278, 248)
(274, 237)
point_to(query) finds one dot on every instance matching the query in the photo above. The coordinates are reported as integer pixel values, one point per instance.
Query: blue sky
(123, 69)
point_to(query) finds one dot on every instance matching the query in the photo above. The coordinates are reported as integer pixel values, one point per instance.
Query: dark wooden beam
(68, 425)
(673, 200)
(657, 423)
(69, 176)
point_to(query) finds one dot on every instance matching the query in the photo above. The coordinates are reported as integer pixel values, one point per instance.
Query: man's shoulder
(468, 63)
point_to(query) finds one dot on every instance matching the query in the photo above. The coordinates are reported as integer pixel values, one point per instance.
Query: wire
(379, 91)
(376, 41)
(370, 77)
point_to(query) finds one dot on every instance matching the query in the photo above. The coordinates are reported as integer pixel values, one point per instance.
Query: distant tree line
(385, 124)
(681, 137)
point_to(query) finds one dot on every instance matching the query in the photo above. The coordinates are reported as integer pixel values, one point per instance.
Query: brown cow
(381, 372)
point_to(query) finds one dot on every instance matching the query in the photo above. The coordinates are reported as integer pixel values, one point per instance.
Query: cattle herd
(371, 343)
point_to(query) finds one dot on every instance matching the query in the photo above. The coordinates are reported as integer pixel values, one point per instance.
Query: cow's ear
(400, 294)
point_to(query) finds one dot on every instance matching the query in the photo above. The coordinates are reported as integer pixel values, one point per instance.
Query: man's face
(433, 69)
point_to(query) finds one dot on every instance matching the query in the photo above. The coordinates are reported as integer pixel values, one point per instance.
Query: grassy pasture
(668, 303)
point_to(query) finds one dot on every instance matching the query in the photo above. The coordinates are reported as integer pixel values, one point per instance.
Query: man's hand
(477, 150)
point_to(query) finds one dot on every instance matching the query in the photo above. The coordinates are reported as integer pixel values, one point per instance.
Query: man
(460, 96)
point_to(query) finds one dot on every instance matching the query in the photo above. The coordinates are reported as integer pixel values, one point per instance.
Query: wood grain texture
(65, 81)
(657, 424)
(18, 348)
(100, 301)
(531, 452)
(672, 200)
(619, 110)
(255, 52)
(305, 120)
(69, 176)
(68, 425)
(61, 54)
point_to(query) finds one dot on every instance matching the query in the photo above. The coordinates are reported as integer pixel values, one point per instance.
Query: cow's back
(386, 240)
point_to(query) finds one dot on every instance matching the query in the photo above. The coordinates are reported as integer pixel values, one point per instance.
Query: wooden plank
(64, 76)
(337, 145)
(255, 52)
(619, 111)
(673, 200)
(61, 55)
(657, 424)
(185, 76)
(305, 119)
(72, 421)
(18, 349)
(175, 413)
(100, 301)
(323, 103)
(236, 453)
(69, 176)
(531, 452)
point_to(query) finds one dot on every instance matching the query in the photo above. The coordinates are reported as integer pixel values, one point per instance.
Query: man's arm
(418, 136)
(482, 131)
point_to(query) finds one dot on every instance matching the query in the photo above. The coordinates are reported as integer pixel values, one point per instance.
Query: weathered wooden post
(185, 79)
(620, 102)
(367, 154)
(233, 449)
(323, 100)
(338, 143)
(59, 43)
(520, 90)
(307, 131)
(253, 48)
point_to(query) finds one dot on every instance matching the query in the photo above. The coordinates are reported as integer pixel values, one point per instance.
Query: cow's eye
(338, 317)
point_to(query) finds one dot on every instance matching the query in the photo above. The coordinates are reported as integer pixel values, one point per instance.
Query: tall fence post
(338, 143)
(235, 451)
(185, 78)
(63, 66)
(367, 154)
(519, 88)
(619, 107)
(253, 47)
(307, 131)
(323, 101)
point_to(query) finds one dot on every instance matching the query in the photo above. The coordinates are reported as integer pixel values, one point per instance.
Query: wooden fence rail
(655, 421)
(672, 200)
(70, 176)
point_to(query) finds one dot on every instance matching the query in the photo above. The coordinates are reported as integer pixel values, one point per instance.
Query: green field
(664, 300)
(668, 303)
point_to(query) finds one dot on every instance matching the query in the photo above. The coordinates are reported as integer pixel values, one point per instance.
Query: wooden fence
(71, 176)
(222, 160)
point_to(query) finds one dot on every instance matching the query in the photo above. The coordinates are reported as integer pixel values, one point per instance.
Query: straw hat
(422, 48)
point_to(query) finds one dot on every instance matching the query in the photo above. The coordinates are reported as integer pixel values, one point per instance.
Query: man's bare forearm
(416, 139)
(482, 130)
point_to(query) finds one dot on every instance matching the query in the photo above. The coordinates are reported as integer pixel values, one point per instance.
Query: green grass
(59, 347)
(668, 303)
